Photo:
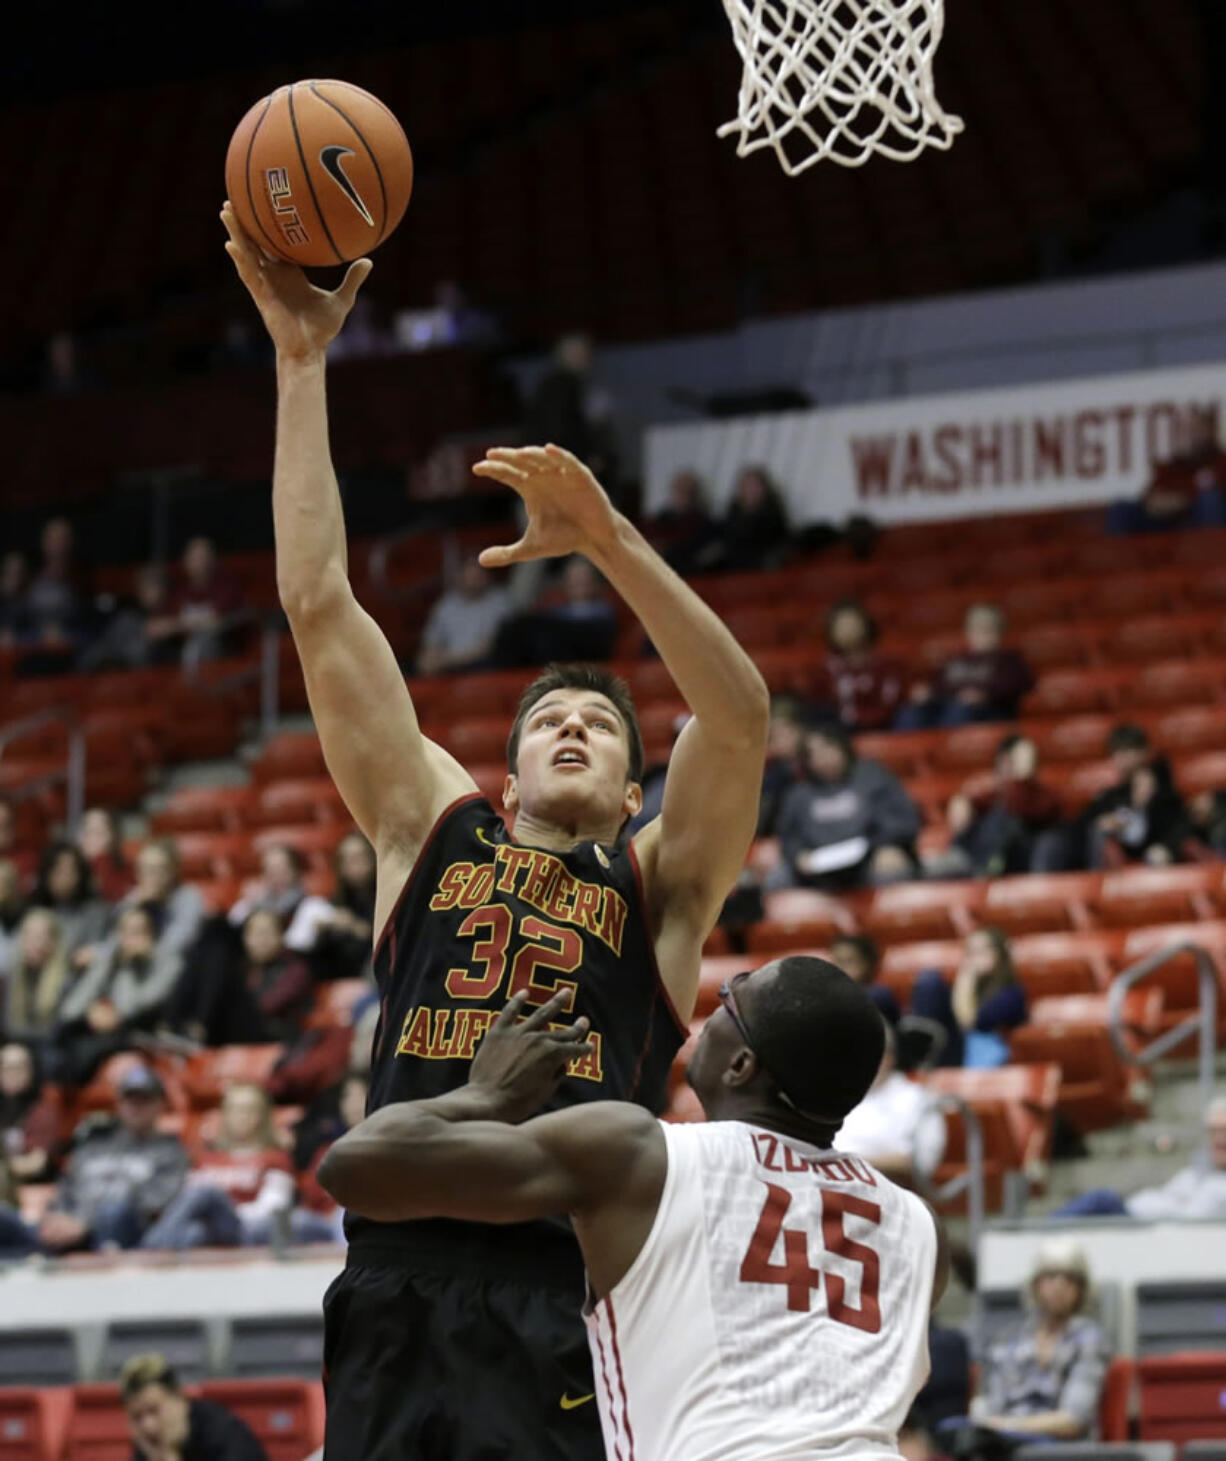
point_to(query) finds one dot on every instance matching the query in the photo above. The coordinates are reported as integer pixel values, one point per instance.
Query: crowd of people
(99, 958)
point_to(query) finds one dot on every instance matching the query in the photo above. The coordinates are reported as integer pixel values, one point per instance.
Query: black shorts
(425, 1364)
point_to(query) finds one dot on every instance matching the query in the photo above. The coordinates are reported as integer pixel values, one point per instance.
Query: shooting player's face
(573, 759)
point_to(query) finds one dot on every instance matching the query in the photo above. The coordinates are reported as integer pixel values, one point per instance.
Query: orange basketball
(319, 172)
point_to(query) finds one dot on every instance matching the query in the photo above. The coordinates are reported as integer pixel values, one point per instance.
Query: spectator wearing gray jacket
(119, 1182)
(178, 907)
(849, 823)
(124, 989)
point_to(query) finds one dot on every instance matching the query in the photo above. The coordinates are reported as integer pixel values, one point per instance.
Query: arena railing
(1202, 1022)
(72, 774)
(266, 673)
(969, 1181)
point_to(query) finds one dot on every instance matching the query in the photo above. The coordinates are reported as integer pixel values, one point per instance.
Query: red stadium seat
(33, 1423)
(1206, 772)
(1114, 1407)
(204, 809)
(219, 894)
(1142, 1012)
(969, 748)
(1077, 738)
(905, 753)
(209, 1073)
(1175, 682)
(797, 916)
(1074, 692)
(1067, 963)
(1029, 1094)
(1192, 728)
(290, 755)
(312, 799)
(1055, 646)
(905, 912)
(1096, 1089)
(1137, 896)
(215, 854)
(317, 842)
(716, 969)
(1080, 784)
(486, 695)
(1182, 1397)
(335, 1000)
(103, 1090)
(97, 1425)
(1040, 902)
(483, 739)
(901, 963)
(1178, 978)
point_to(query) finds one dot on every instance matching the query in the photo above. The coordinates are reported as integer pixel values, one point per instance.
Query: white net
(838, 79)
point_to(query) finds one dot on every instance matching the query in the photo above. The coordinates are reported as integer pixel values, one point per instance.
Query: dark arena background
(939, 440)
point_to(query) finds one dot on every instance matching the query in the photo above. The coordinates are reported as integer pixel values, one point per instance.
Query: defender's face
(574, 758)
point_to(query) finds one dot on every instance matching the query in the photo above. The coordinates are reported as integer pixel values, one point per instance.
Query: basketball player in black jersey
(448, 1341)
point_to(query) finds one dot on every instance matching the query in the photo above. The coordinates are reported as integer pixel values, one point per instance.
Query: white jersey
(778, 1310)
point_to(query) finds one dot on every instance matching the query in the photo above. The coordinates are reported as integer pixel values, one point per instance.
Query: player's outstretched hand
(568, 510)
(301, 319)
(521, 1061)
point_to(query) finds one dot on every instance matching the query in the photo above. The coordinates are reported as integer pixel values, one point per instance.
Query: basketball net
(838, 79)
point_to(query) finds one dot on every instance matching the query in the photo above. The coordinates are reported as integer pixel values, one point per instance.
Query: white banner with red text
(1021, 449)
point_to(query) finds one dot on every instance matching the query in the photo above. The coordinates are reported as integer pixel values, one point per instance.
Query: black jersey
(481, 918)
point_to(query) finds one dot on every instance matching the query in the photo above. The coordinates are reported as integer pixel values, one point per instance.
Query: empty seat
(1067, 963)
(1040, 903)
(1176, 1316)
(98, 1425)
(1191, 728)
(37, 1357)
(290, 755)
(282, 1413)
(1174, 682)
(209, 1073)
(901, 963)
(33, 1423)
(277, 1345)
(1182, 1397)
(204, 809)
(1137, 896)
(795, 917)
(478, 739)
(182, 1342)
(311, 799)
(1206, 772)
(1096, 1089)
(1141, 1013)
(904, 912)
(1029, 1094)
(1178, 978)
(311, 841)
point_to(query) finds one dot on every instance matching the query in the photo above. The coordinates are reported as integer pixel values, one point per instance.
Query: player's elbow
(339, 1174)
(749, 712)
(308, 599)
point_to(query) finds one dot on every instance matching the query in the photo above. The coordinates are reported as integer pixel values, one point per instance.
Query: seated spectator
(1185, 491)
(1206, 812)
(65, 886)
(203, 598)
(17, 1238)
(120, 1179)
(177, 907)
(12, 910)
(241, 1187)
(1195, 1193)
(848, 824)
(122, 993)
(280, 889)
(785, 741)
(55, 601)
(345, 938)
(1046, 1379)
(999, 828)
(166, 1426)
(143, 630)
(29, 1119)
(984, 682)
(23, 858)
(1142, 818)
(898, 1126)
(860, 959)
(581, 624)
(99, 839)
(684, 533)
(463, 624)
(985, 1001)
(37, 980)
(754, 533)
(16, 624)
(856, 685)
(318, 1219)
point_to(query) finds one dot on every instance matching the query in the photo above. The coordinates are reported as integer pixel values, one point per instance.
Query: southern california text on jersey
(778, 1310)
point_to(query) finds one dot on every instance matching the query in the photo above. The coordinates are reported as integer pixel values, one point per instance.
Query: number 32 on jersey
(796, 1272)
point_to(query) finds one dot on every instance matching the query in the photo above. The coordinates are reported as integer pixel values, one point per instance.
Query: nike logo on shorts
(330, 161)
(569, 1403)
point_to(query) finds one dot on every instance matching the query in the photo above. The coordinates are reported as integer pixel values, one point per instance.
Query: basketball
(319, 172)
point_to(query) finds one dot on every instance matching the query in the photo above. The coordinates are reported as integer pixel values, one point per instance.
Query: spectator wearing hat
(984, 681)
(166, 1426)
(1046, 1378)
(118, 1182)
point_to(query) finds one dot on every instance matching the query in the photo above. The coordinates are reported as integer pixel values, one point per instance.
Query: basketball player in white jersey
(754, 1295)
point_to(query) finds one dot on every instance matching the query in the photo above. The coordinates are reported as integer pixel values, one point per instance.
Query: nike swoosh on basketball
(330, 161)
(569, 1403)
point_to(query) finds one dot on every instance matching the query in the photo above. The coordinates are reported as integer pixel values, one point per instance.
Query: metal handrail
(970, 1181)
(267, 672)
(382, 550)
(73, 774)
(1203, 1021)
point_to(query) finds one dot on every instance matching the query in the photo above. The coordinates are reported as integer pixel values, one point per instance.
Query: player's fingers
(511, 1010)
(552, 1006)
(502, 555)
(355, 276)
(510, 473)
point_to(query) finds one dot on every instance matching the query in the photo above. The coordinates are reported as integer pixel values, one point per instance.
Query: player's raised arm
(393, 780)
(692, 854)
(457, 1156)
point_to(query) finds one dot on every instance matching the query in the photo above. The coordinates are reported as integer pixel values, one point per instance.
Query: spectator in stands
(167, 1426)
(849, 823)
(24, 858)
(177, 908)
(16, 626)
(784, 760)
(1207, 813)
(144, 630)
(569, 409)
(985, 1001)
(319, 1220)
(997, 829)
(203, 599)
(280, 889)
(37, 980)
(29, 1118)
(860, 959)
(653, 779)
(343, 944)
(99, 839)
(1186, 491)
(119, 1180)
(121, 994)
(17, 1238)
(898, 1126)
(463, 624)
(12, 910)
(1142, 818)
(754, 533)
(684, 533)
(241, 1188)
(66, 886)
(856, 685)
(581, 624)
(1196, 1193)
(55, 599)
(983, 682)
(1046, 1379)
